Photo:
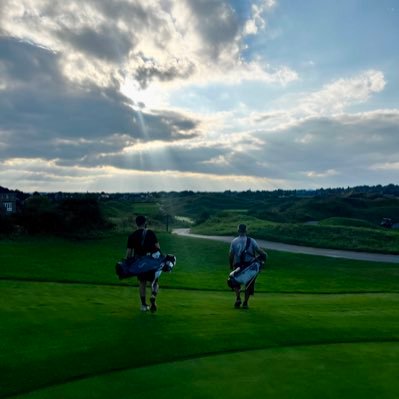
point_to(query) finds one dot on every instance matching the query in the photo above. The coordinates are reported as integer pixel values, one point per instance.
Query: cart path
(279, 246)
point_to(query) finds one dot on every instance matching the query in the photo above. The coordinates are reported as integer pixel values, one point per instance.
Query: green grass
(287, 207)
(113, 208)
(317, 327)
(60, 332)
(122, 213)
(322, 236)
(336, 371)
(339, 221)
(201, 264)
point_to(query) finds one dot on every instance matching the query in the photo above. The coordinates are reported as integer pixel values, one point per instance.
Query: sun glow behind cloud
(153, 97)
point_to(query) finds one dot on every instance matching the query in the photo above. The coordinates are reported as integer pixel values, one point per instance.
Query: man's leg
(154, 292)
(249, 290)
(142, 291)
(246, 299)
(237, 303)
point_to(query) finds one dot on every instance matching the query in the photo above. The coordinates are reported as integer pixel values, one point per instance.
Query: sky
(202, 95)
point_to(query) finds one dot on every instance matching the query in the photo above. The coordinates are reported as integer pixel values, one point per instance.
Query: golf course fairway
(304, 336)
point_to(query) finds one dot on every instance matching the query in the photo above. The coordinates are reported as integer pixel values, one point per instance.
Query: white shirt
(238, 245)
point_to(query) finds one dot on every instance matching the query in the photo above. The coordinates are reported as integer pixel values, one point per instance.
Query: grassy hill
(340, 222)
(317, 327)
(122, 213)
(336, 233)
(285, 208)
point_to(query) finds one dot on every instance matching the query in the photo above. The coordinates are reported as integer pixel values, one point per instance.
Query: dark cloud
(320, 150)
(146, 19)
(184, 159)
(149, 71)
(43, 114)
(132, 12)
(217, 23)
(23, 63)
(104, 42)
(344, 147)
(162, 125)
(216, 159)
(2, 7)
(127, 34)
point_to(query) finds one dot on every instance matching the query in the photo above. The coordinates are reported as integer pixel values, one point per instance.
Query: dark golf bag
(135, 266)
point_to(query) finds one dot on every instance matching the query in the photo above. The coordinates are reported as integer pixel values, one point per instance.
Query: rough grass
(337, 221)
(122, 213)
(321, 236)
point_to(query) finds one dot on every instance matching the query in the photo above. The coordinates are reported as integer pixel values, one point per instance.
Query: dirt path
(278, 246)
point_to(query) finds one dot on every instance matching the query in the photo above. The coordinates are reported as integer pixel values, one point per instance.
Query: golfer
(243, 250)
(143, 242)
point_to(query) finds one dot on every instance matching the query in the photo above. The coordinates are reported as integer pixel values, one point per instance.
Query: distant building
(8, 201)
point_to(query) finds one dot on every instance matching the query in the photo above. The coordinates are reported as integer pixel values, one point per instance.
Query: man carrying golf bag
(245, 265)
(141, 242)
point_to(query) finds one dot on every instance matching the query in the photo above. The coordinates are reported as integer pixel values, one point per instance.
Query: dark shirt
(135, 240)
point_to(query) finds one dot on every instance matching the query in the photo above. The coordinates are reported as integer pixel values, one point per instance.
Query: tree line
(77, 216)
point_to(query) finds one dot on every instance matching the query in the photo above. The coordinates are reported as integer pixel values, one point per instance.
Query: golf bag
(245, 274)
(135, 266)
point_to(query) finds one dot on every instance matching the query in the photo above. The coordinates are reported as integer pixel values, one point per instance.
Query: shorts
(147, 276)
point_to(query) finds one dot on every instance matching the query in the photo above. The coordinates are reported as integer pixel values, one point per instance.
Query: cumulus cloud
(40, 172)
(62, 65)
(336, 148)
(45, 115)
(257, 20)
(161, 40)
(218, 26)
(148, 70)
(385, 166)
(332, 99)
(101, 42)
(340, 150)
(320, 149)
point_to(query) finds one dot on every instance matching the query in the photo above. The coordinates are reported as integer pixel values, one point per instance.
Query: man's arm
(129, 252)
(260, 251)
(153, 241)
(231, 260)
